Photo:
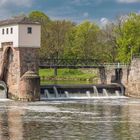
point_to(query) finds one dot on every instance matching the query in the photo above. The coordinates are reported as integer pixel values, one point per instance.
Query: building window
(29, 30)
(11, 30)
(7, 31)
(3, 31)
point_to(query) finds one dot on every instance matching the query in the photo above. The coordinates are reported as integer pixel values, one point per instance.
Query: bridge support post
(103, 78)
(118, 73)
(133, 85)
(55, 71)
(117, 78)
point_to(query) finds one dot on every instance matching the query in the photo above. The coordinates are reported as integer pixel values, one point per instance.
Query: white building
(21, 32)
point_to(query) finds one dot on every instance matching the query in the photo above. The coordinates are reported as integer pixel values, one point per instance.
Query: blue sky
(100, 11)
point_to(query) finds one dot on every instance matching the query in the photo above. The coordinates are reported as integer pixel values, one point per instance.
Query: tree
(108, 42)
(44, 20)
(57, 37)
(53, 34)
(82, 41)
(128, 39)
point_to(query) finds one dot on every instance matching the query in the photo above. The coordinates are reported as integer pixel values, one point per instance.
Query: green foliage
(53, 35)
(108, 43)
(64, 39)
(57, 36)
(45, 21)
(39, 17)
(129, 38)
(72, 72)
(82, 41)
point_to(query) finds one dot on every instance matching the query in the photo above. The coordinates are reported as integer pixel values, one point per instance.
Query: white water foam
(5, 100)
(85, 97)
(42, 108)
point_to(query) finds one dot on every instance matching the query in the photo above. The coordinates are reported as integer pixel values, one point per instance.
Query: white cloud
(81, 2)
(9, 7)
(85, 14)
(26, 3)
(104, 21)
(128, 1)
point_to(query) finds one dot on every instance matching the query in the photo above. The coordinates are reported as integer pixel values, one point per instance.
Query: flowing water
(104, 119)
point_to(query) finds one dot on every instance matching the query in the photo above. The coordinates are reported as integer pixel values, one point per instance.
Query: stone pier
(133, 85)
(14, 63)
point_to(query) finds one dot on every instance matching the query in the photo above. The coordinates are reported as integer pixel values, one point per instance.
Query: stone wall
(10, 68)
(14, 62)
(28, 59)
(105, 75)
(133, 85)
(108, 75)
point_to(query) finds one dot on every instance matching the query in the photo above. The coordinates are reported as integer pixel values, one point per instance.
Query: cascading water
(95, 91)
(47, 94)
(88, 93)
(105, 92)
(3, 90)
(56, 92)
(67, 94)
(117, 93)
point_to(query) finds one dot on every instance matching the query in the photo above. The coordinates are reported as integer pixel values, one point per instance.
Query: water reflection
(77, 120)
(11, 124)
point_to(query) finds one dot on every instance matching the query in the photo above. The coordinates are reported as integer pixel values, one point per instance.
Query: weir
(95, 90)
(62, 92)
(105, 92)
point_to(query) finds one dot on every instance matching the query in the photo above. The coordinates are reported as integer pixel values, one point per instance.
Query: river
(104, 119)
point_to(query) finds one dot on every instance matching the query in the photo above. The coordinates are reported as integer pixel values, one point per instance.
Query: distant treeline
(116, 42)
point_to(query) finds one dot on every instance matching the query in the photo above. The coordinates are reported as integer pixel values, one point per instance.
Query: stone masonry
(20, 39)
(133, 86)
(14, 62)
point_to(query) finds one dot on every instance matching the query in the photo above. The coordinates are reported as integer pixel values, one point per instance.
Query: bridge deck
(70, 66)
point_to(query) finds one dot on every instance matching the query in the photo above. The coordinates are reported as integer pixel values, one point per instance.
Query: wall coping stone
(29, 75)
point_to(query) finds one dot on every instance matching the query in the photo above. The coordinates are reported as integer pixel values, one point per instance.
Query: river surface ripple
(107, 119)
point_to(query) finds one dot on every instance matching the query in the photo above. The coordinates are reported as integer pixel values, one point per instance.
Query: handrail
(79, 62)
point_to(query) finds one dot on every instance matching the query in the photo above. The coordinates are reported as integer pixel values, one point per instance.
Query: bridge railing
(116, 65)
(78, 63)
(68, 62)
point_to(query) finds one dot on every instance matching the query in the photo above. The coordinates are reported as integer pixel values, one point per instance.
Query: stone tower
(19, 44)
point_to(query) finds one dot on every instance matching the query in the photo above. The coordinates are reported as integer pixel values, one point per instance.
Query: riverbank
(67, 75)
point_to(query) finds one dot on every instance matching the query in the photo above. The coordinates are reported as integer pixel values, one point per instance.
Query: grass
(66, 74)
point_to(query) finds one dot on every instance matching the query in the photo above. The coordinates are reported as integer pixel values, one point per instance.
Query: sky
(100, 11)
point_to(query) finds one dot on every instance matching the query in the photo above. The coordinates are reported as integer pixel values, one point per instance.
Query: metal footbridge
(77, 63)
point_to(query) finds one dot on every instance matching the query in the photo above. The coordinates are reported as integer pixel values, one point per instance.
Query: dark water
(71, 120)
